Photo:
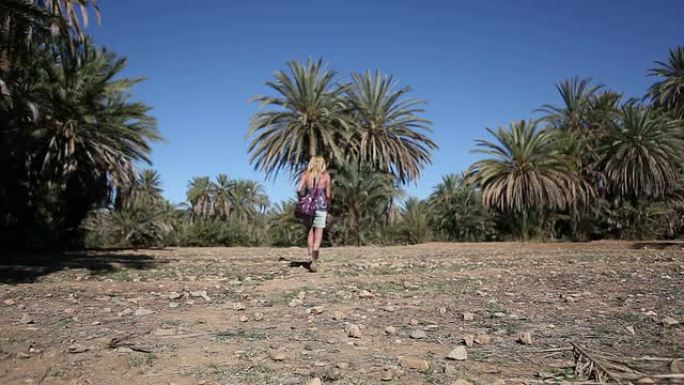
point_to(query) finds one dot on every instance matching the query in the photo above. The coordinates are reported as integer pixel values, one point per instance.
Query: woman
(316, 181)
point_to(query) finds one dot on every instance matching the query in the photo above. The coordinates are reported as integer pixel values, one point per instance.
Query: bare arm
(328, 188)
(300, 186)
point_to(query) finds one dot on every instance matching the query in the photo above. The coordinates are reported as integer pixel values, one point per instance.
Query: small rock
(173, 305)
(244, 318)
(352, 331)
(23, 355)
(391, 330)
(26, 319)
(337, 315)
(499, 314)
(468, 316)
(389, 309)
(77, 348)
(468, 340)
(645, 380)
(258, 316)
(201, 293)
(482, 339)
(414, 363)
(409, 285)
(365, 294)
(442, 310)
(342, 365)
(669, 321)
(143, 312)
(677, 365)
(238, 306)
(414, 322)
(315, 310)
(9, 302)
(459, 353)
(417, 334)
(277, 356)
(295, 302)
(163, 332)
(450, 370)
(387, 375)
(525, 338)
(95, 323)
(461, 381)
(175, 295)
(314, 381)
(631, 330)
(332, 375)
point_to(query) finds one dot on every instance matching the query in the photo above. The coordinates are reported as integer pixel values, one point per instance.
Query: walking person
(316, 183)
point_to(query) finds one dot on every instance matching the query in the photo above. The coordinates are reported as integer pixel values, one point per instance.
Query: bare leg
(318, 237)
(310, 242)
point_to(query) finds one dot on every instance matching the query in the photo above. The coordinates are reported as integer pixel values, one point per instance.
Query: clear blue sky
(477, 63)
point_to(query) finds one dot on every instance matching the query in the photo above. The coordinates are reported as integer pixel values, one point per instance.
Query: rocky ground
(428, 314)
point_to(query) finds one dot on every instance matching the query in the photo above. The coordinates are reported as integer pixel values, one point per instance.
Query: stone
(459, 353)
(525, 338)
(414, 322)
(26, 319)
(499, 314)
(175, 295)
(677, 365)
(202, 294)
(295, 302)
(352, 331)
(342, 365)
(669, 321)
(461, 381)
(173, 305)
(631, 330)
(125, 312)
(160, 332)
(482, 339)
(442, 310)
(365, 294)
(468, 316)
(417, 334)
(141, 312)
(468, 340)
(9, 302)
(77, 348)
(414, 363)
(239, 306)
(389, 309)
(314, 381)
(337, 315)
(391, 330)
(277, 356)
(450, 370)
(387, 375)
(645, 380)
(244, 318)
(258, 316)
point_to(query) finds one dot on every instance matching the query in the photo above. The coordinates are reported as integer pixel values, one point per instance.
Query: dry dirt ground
(192, 316)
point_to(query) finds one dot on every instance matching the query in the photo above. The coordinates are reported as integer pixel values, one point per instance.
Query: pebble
(525, 338)
(459, 353)
(9, 302)
(482, 339)
(26, 319)
(461, 381)
(244, 318)
(468, 340)
(314, 381)
(391, 330)
(175, 295)
(442, 310)
(337, 315)
(365, 294)
(669, 321)
(414, 322)
(352, 331)
(468, 316)
(201, 293)
(414, 363)
(173, 305)
(141, 312)
(238, 306)
(277, 356)
(77, 348)
(258, 316)
(417, 334)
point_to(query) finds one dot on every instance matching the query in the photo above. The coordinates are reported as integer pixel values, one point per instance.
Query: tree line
(596, 165)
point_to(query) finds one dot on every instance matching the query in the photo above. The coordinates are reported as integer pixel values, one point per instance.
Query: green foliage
(414, 226)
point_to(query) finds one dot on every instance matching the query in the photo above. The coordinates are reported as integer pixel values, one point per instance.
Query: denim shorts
(319, 219)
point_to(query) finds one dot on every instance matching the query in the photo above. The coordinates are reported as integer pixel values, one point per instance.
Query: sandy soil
(195, 316)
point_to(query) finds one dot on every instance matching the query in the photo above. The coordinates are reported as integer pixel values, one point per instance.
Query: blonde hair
(317, 165)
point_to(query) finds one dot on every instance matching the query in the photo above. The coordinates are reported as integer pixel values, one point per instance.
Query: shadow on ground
(27, 268)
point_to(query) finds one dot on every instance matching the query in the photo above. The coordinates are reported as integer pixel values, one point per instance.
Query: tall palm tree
(643, 154)
(249, 200)
(200, 195)
(360, 200)
(668, 93)
(389, 135)
(223, 196)
(415, 221)
(525, 171)
(457, 210)
(573, 114)
(305, 118)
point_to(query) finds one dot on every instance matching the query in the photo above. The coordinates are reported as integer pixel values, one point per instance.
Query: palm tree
(525, 172)
(249, 200)
(200, 195)
(415, 221)
(389, 134)
(305, 118)
(668, 93)
(643, 154)
(361, 199)
(223, 196)
(573, 115)
(457, 210)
